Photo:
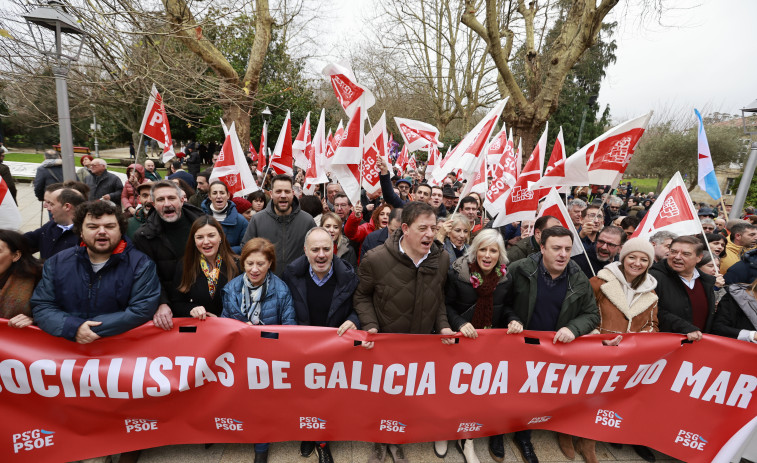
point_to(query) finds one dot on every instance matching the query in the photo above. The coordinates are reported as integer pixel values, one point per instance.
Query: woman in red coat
(357, 232)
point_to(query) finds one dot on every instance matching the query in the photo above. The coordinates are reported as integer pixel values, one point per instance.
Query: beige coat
(617, 315)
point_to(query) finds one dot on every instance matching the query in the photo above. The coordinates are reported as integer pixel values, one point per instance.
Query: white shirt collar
(402, 251)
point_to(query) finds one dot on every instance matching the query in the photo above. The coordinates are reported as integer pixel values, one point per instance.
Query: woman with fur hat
(627, 304)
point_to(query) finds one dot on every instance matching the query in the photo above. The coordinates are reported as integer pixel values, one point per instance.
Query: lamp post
(266, 115)
(95, 128)
(54, 18)
(751, 164)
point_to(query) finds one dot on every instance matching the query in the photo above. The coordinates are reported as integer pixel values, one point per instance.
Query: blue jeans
(260, 448)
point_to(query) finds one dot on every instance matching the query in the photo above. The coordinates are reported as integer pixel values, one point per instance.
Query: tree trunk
(660, 182)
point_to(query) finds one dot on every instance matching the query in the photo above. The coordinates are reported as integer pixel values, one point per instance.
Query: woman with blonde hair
(454, 233)
(342, 248)
(475, 298)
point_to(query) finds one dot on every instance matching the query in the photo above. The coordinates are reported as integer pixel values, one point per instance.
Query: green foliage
(664, 150)
(751, 196)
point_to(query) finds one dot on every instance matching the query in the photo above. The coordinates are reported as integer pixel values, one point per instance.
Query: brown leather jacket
(394, 296)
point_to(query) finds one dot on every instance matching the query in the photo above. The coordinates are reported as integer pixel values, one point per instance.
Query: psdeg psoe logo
(608, 418)
(539, 419)
(469, 426)
(392, 426)
(32, 439)
(691, 440)
(229, 424)
(312, 422)
(139, 425)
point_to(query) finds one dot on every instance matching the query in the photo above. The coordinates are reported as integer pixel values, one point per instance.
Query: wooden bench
(77, 149)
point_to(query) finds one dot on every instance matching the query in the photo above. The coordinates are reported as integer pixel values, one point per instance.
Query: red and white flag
(434, 159)
(10, 216)
(281, 159)
(479, 182)
(554, 206)
(231, 166)
(418, 135)
(262, 150)
(316, 151)
(496, 148)
(505, 175)
(375, 147)
(555, 166)
(673, 211)
(350, 94)
(155, 124)
(472, 146)
(412, 164)
(521, 203)
(402, 160)
(299, 146)
(349, 149)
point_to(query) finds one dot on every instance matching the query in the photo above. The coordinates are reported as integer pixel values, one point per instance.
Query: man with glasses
(342, 207)
(604, 251)
(708, 225)
(613, 209)
(592, 221)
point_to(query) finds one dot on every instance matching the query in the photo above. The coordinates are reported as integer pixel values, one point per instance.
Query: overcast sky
(703, 55)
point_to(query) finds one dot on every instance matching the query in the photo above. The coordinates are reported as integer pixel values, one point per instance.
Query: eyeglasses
(595, 216)
(606, 244)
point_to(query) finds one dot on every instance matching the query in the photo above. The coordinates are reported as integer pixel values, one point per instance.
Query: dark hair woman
(19, 273)
(357, 231)
(219, 205)
(200, 277)
(258, 200)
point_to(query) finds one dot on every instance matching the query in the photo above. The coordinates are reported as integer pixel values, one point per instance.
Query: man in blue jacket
(57, 234)
(110, 286)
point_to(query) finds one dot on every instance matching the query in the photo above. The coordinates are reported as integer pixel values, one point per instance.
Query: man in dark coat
(110, 287)
(602, 252)
(548, 292)
(163, 238)
(103, 184)
(401, 287)
(57, 234)
(49, 172)
(686, 297)
(322, 289)
(743, 271)
(282, 222)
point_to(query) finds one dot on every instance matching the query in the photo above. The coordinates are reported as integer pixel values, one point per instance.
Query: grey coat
(105, 184)
(286, 232)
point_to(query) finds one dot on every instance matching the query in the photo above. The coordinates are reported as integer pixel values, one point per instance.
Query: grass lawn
(645, 184)
(38, 157)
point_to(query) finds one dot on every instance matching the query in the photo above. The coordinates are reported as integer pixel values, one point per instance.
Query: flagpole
(722, 203)
(136, 156)
(588, 261)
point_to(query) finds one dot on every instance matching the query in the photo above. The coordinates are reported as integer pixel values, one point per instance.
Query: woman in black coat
(207, 266)
(737, 313)
(475, 299)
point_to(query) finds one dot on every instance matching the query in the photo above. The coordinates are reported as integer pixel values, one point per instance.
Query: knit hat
(241, 204)
(404, 180)
(640, 245)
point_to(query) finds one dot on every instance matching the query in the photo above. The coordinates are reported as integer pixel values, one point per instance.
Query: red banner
(230, 382)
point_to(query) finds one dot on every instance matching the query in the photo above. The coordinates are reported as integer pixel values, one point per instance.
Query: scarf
(15, 295)
(482, 315)
(252, 299)
(211, 275)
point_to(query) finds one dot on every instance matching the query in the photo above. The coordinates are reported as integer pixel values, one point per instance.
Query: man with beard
(547, 292)
(282, 222)
(103, 288)
(203, 186)
(144, 206)
(602, 252)
(163, 238)
(110, 286)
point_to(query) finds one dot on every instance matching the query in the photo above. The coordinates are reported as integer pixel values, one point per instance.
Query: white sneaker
(465, 446)
(440, 448)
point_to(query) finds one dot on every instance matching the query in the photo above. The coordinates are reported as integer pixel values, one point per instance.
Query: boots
(465, 446)
(586, 447)
(566, 445)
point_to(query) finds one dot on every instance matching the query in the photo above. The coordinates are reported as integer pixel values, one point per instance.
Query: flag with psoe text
(155, 124)
(375, 147)
(348, 92)
(672, 211)
(231, 167)
(418, 135)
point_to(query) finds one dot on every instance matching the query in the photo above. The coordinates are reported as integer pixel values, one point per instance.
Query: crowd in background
(413, 258)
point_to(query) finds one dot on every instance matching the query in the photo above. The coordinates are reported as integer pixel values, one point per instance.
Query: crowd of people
(413, 258)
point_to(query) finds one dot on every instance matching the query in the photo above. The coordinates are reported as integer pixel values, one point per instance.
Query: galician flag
(706, 179)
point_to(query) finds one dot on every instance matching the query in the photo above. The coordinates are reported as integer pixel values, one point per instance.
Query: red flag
(231, 166)
(554, 206)
(281, 159)
(556, 164)
(299, 146)
(402, 160)
(521, 204)
(672, 211)
(375, 147)
(418, 135)
(155, 124)
(350, 148)
(316, 150)
(434, 159)
(349, 93)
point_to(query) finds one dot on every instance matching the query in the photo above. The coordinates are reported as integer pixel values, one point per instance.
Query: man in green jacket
(548, 292)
